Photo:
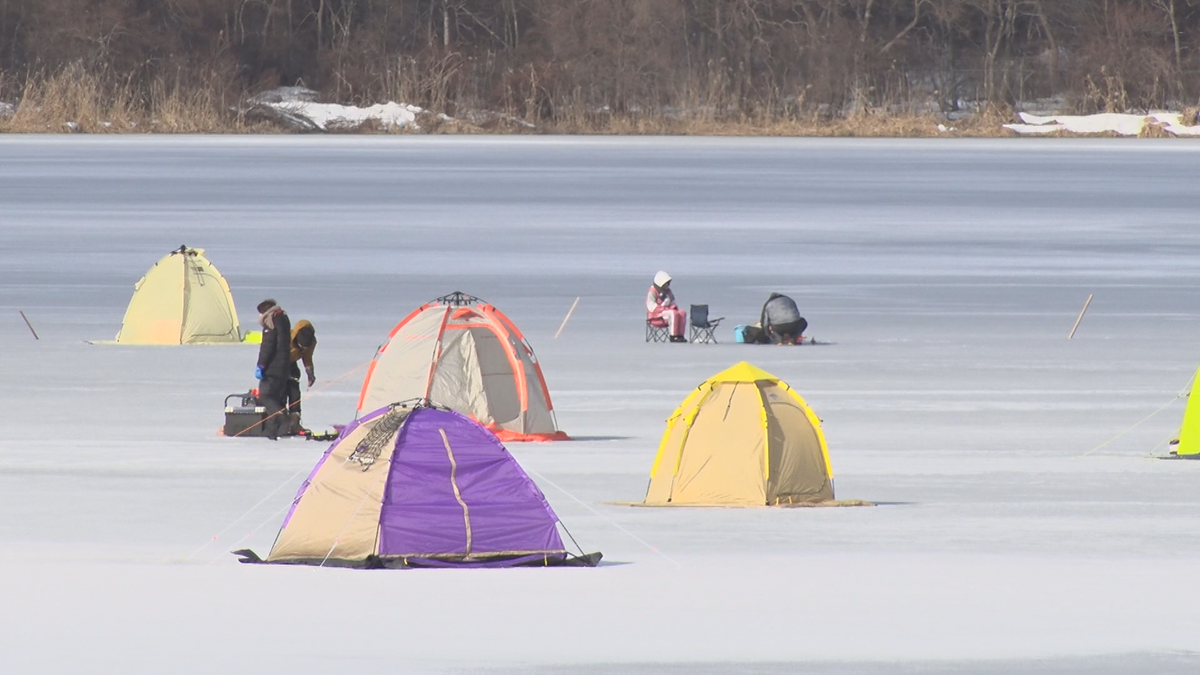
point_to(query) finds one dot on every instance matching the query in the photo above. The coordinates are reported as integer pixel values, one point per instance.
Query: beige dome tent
(183, 299)
(742, 438)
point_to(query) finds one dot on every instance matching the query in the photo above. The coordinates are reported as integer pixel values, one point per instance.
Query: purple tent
(420, 486)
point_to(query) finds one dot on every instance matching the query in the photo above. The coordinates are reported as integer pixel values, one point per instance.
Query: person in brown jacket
(304, 343)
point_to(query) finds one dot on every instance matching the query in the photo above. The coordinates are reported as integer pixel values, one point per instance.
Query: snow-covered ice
(1009, 536)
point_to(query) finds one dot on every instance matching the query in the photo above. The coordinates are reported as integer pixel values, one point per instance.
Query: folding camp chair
(702, 326)
(656, 330)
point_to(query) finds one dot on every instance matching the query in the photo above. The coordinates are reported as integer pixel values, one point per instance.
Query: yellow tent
(1189, 433)
(743, 438)
(183, 299)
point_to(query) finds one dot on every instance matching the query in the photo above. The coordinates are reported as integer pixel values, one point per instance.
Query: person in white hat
(661, 309)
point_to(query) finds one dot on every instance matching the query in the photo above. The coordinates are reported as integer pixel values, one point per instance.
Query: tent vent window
(369, 448)
(199, 271)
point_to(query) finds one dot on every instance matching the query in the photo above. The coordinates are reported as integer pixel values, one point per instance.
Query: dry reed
(77, 99)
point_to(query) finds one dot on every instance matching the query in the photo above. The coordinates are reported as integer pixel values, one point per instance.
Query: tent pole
(437, 353)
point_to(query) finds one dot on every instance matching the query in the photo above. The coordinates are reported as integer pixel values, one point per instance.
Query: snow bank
(332, 116)
(297, 108)
(1118, 123)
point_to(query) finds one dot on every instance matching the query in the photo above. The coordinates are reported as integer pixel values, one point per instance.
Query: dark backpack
(755, 335)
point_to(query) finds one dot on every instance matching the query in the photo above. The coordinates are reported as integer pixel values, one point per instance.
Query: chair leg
(655, 333)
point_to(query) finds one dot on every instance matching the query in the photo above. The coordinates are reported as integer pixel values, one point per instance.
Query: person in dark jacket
(272, 370)
(303, 344)
(781, 321)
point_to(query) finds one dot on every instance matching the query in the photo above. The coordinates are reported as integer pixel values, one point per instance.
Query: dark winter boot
(293, 428)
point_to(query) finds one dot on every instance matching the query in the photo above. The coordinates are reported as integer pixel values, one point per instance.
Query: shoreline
(891, 127)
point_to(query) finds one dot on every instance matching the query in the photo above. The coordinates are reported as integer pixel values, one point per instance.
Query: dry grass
(867, 125)
(75, 99)
(1151, 129)
(71, 100)
(175, 109)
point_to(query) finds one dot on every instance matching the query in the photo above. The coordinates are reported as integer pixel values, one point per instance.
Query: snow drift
(1121, 124)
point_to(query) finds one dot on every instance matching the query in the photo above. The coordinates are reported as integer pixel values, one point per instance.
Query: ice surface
(946, 275)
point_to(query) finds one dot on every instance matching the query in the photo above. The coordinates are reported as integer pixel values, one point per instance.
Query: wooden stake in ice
(31, 330)
(1085, 306)
(567, 318)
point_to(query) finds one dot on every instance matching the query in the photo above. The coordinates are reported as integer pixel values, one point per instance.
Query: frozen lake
(946, 274)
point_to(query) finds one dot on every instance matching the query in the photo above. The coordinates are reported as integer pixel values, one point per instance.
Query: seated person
(781, 321)
(661, 309)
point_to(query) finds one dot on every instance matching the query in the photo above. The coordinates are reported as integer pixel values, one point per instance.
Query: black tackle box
(244, 417)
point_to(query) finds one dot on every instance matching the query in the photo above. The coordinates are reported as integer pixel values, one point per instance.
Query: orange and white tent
(465, 354)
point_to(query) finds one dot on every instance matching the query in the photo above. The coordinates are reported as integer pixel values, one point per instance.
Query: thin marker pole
(1081, 312)
(31, 330)
(567, 318)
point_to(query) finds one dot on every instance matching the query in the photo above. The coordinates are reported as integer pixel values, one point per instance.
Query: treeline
(557, 59)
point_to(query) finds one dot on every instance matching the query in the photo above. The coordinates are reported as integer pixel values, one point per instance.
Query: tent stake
(566, 318)
(1081, 312)
(31, 330)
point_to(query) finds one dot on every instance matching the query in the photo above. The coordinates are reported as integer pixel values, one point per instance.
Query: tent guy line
(1165, 441)
(252, 509)
(383, 476)
(242, 517)
(643, 542)
(1138, 424)
(311, 392)
(269, 518)
(266, 521)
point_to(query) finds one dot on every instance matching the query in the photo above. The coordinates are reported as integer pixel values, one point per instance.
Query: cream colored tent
(419, 487)
(183, 299)
(743, 438)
